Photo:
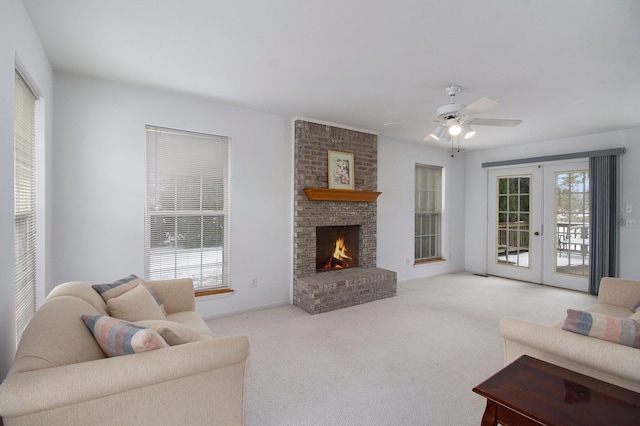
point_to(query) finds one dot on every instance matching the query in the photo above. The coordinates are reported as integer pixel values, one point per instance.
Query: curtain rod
(586, 154)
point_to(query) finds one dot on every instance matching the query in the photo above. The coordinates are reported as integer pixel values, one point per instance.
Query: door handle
(536, 233)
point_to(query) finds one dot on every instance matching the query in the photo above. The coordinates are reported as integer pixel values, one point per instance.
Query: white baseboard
(241, 311)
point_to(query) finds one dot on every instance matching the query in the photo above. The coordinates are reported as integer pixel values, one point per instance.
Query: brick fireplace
(315, 291)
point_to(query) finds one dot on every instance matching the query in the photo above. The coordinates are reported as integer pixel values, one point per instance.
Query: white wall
(476, 201)
(396, 207)
(100, 186)
(19, 43)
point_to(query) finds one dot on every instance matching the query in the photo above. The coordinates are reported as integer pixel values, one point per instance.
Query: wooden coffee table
(533, 392)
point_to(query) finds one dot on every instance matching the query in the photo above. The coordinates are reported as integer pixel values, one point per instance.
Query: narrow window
(24, 204)
(428, 213)
(187, 208)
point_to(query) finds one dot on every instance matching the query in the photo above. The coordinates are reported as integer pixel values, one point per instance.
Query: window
(428, 215)
(24, 204)
(187, 208)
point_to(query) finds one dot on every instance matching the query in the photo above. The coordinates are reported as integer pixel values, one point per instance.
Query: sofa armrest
(619, 292)
(177, 295)
(52, 388)
(571, 350)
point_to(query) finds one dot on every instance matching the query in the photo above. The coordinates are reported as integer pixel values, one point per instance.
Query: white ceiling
(567, 68)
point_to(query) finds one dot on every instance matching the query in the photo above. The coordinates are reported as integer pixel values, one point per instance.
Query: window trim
(438, 211)
(25, 262)
(221, 168)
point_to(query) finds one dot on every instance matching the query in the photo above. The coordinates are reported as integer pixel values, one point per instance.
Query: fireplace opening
(337, 247)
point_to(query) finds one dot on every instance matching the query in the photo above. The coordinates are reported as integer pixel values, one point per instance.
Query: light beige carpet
(408, 360)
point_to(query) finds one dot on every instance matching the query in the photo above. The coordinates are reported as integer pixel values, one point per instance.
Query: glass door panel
(572, 222)
(514, 223)
(566, 246)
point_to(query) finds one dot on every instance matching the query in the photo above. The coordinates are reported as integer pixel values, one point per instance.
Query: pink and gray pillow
(117, 337)
(624, 331)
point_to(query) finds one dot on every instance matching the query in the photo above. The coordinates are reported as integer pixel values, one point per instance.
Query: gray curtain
(603, 214)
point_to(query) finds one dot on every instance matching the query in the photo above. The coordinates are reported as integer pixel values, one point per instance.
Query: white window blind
(187, 207)
(428, 212)
(24, 204)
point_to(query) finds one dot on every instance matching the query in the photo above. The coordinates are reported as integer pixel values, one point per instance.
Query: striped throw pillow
(624, 331)
(121, 286)
(117, 337)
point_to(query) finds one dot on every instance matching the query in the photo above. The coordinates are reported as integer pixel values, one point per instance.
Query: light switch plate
(628, 209)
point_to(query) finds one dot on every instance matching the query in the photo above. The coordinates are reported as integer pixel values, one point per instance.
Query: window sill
(212, 292)
(429, 261)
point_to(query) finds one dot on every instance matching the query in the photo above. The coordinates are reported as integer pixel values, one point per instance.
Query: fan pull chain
(458, 139)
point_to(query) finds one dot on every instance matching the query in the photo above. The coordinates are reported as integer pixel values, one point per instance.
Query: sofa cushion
(610, 310)
(135, 305)
(56, 336)
(172, 332)
(177, 294)
(117, 337)
(624, 331)
(192, 320)
(121, 286)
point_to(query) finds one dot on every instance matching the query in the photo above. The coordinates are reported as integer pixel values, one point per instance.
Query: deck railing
(515, 236)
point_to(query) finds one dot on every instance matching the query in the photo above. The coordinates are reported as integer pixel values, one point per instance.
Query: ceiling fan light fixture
(454, 127)
(454, 118)
(467, 131)
(437, 132)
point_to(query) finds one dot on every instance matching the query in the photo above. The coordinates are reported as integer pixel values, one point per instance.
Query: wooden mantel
(326, 194)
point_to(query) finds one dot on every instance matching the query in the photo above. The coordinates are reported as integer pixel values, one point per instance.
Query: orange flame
(339, 253)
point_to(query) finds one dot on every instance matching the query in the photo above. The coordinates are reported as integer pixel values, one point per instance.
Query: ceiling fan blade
(480, 105)
(500, 122)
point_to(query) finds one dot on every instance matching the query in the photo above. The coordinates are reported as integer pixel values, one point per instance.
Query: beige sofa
(61, 376)
(607, 361)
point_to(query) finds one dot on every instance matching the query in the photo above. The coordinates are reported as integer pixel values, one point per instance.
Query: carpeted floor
(408, 360)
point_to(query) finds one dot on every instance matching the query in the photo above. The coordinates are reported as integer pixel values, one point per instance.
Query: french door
(566, 215)
(515, 223)
(538, 224)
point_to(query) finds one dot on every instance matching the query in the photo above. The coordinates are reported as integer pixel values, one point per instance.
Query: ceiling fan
(454, 119)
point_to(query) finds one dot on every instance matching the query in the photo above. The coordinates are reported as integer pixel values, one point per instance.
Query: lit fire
(339, 259)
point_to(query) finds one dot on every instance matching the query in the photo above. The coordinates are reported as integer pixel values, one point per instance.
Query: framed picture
(340, 170)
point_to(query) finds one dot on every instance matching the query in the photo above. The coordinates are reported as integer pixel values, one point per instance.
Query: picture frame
(341, 170)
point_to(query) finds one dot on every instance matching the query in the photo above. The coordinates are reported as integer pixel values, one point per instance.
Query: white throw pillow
(135, 305)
